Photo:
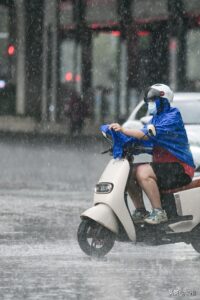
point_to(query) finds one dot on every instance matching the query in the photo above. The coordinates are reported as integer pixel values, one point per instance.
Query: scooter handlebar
(128, 150)
(136, 149)
(106, 151)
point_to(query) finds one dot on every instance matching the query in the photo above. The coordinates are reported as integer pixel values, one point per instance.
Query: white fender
(117, 172)
(103, 215)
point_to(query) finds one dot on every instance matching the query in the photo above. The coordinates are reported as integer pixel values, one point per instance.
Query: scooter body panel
(103, 215)
(116, 173)
(187, 203)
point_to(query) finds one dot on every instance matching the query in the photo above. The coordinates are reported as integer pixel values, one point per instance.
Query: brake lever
(106, 151)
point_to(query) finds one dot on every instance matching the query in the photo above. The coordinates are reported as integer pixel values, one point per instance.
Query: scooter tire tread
(84, 244)
(195, 242)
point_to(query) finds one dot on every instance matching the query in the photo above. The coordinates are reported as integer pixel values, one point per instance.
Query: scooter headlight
(103, 188)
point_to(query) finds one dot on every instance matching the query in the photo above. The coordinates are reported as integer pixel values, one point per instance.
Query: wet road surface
(43, 189)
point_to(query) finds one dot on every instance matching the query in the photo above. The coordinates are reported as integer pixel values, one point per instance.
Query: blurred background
(88, 61)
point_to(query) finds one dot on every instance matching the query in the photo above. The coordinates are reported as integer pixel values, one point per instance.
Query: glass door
(105, 74)
(70, 72)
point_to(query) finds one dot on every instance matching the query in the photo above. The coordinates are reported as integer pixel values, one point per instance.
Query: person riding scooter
(171, 154)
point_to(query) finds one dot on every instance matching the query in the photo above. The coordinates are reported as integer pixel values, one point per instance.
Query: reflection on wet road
(44, 188)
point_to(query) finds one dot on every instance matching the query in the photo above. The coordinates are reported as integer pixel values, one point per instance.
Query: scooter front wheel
(94, 239)
(196, 239)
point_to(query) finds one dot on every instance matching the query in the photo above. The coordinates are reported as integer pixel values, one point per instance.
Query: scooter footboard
(102, 214)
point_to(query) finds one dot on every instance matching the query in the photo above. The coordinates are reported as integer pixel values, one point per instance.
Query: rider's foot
(157, 216)
(139, 215)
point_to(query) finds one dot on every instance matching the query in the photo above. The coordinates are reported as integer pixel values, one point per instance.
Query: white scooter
(110, 217)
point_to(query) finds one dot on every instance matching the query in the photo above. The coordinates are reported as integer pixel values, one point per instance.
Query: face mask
(152, 110)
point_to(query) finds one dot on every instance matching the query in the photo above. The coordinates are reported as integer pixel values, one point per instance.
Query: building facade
(107, 51)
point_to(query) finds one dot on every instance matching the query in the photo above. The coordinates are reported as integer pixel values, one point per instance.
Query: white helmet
(159, 90)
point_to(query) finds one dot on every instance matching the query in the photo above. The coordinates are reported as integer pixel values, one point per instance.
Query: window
(192, 6)
(141, 112)
(4, 36)
(66, 13)
(190, 111)
(193, 55)
(145, 9)
(105, 45)
(101, 12)
(104, 59)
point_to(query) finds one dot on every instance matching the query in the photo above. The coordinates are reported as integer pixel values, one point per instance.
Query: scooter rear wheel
(94, 239)
(196, 239)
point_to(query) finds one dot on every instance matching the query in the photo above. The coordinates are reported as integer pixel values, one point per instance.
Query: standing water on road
(44, 188)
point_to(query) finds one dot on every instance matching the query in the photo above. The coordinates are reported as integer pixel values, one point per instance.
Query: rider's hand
(115, 126)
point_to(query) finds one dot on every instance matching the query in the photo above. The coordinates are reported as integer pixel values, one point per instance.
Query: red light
(95, 25)
(143, 33)
(173, 44)
(11, 50)
(77, 78)
(68, 76)
(116, 33)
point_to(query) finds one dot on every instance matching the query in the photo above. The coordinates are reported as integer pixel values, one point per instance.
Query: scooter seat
(194, 184)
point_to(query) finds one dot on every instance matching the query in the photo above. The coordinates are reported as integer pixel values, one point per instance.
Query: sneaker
(139, 215)
(157, 216)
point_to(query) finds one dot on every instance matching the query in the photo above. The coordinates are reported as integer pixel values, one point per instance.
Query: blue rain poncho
(120, 141)
(170, 135)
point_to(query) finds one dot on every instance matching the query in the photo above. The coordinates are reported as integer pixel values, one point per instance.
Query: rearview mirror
(104, 134)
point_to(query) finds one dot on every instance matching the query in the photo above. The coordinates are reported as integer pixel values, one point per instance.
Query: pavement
(44, 187)
(30, 126)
